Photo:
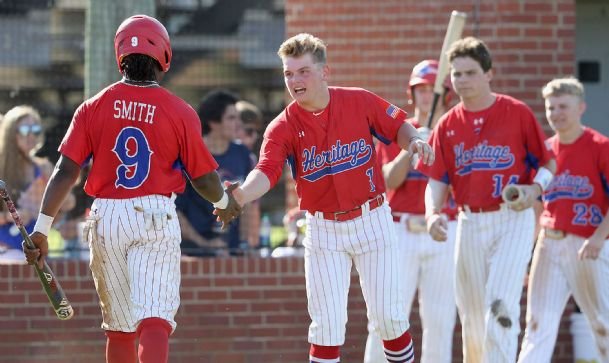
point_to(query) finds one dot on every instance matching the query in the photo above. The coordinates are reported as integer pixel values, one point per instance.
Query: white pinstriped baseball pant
(493, 250)
(556, 273)
(429, 267)
(136, 271)
(331, 249)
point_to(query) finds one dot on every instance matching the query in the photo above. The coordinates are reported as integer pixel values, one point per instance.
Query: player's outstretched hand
(232, 210)
(236, 191)
(423, 150)
(437, 226)
(520, 196)
(591, 248)
(38, 254)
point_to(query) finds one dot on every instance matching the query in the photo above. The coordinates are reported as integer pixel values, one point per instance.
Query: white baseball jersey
(135, 263)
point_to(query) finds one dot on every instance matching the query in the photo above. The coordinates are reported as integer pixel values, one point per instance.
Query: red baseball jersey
(140, 139)
(478, 153)
(577, 199)
(331, 153)
(409, 197)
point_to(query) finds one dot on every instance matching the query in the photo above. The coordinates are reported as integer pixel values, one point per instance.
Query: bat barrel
(51, 286)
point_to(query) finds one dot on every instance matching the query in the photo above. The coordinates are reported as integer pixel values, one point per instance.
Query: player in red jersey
(571, 256)
(141, 139)
(326, 136)
(428, 265)
(485, 142)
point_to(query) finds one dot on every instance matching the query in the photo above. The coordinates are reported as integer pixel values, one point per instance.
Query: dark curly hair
(140, 67)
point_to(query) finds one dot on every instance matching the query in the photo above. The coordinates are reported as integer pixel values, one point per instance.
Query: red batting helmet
(425, 72)
(142, 34)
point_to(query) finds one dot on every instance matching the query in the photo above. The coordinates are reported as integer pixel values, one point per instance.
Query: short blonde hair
(302, 44)
(564, 86)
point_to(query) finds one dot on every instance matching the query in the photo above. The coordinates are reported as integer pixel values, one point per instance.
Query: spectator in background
(251, 124)
(202, 235)
(248, 133)
(25, 175)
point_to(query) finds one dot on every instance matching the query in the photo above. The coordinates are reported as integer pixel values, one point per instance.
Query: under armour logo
(300, 133)
(450, 133)
(478, 121)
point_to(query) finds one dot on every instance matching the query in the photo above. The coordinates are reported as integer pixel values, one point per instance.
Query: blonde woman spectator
(25, 175)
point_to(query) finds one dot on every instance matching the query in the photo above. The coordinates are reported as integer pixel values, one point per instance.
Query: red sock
(120, 347)
(154, 340)
(400, 349)
(327, 353)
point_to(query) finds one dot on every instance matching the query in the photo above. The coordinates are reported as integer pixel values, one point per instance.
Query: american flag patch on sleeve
(392, 111)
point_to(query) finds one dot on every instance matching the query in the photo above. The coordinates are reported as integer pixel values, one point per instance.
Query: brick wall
(238, 310)
(375, 44)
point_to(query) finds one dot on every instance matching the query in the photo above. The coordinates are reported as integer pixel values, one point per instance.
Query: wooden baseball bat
(453, 32)
(50, 284)
(512, 194)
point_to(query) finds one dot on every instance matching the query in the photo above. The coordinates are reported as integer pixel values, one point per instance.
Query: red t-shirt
(140, 139)
(331, 153)
(479, 153)
(577, 199)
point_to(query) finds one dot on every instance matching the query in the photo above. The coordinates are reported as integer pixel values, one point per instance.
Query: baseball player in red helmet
(141, 139)
(571, 256)
(326, 135)
(485, 142)
(428, 265)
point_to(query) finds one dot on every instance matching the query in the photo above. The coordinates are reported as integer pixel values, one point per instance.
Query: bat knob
(512, 194)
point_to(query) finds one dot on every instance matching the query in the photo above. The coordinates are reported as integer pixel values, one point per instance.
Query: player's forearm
(602, 231)
(209, 186)
(435, 196)
(255, 186)
(395, 171)
(60, 184)
(405, 135)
